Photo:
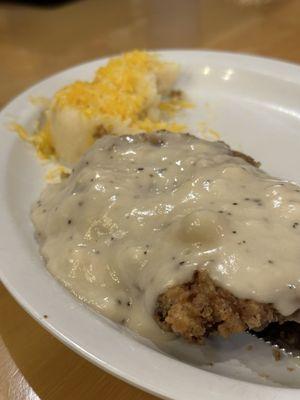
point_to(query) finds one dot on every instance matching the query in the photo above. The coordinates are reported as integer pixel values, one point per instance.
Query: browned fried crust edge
(199, 308)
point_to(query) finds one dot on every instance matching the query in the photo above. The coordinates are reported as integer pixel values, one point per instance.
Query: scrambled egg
(131, 94)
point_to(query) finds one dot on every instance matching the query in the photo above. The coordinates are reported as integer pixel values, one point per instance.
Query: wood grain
(36, 42)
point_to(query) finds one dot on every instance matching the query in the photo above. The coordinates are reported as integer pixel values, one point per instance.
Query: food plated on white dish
(136, 200)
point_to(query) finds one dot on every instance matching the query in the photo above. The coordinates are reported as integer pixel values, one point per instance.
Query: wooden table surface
(38, 41)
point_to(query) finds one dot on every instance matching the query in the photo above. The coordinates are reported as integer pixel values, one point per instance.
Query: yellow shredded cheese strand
(41, 141)
(120, 90)
(57, 174)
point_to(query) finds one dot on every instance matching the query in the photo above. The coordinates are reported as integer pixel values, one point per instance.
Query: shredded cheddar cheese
(131, 94)
(57, 174)
(41, 141)
(122, 89)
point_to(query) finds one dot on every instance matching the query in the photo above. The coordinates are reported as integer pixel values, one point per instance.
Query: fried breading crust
(199, 308)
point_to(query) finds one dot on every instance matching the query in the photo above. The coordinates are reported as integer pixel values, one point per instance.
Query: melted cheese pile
(131, 94)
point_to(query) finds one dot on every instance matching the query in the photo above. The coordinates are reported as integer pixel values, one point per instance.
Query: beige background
(36, 42)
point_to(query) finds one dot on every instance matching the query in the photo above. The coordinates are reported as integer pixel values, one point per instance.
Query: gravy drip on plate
(141, 213)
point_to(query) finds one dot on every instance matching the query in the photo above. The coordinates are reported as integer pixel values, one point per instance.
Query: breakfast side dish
(132, 93)
(170, 228)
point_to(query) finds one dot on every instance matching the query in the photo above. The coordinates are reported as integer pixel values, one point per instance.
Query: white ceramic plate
(253, 104)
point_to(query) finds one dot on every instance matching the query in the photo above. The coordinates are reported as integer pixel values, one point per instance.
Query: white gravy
(139, 216)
